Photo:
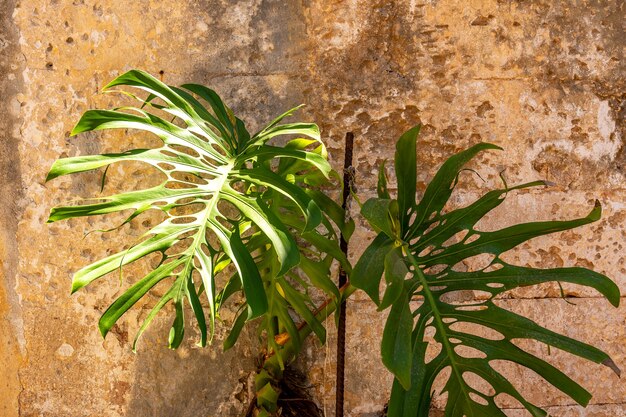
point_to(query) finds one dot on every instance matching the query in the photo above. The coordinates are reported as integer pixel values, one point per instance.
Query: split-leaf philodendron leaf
(418, 250)
(230, 198)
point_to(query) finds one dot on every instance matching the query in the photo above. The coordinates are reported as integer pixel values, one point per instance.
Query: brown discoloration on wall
(525, 76)
(543, 80)
(12, 349)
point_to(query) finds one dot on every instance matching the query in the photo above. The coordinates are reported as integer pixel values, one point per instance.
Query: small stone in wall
(65, 351)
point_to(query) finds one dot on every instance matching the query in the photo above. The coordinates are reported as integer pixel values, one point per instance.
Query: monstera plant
(424, 253)
(235, 209)
(247, 224)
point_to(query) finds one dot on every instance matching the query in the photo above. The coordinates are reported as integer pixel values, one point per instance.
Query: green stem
(272, 370)
(289, 351)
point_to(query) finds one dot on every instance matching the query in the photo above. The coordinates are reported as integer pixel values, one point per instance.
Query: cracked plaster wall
(543, 79)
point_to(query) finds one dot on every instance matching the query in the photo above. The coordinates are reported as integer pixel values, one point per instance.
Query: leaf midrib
(221, 180)
(439, 322)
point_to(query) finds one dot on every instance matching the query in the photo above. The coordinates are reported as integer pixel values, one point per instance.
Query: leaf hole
(184, 201)
(429, 333)
(228, 210)
(210, 161)
(205, 249)
(433, 349)
(218, 149)
(187, 209)
(188, 177)
(471, 308)
(169, 153)
(471, 238)
(460, 297)
(435, 269)
(493, 267)
(177, 185)
(478, 399)
(186, 150)
(188, 234)
(239, 185)
(200, 135)
(455, 238)
(425, 251)
(478, 383)
(248, 232)
(224, 222)
(504, 400)
(474, 263)
(439, 384)
(418, 289)
(430, 227)
(469, 352)
(183, 220)
(166, 167)
(155, 259)
(178, 269)
(476, 329)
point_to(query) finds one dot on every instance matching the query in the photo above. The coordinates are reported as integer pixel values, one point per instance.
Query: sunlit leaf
(224, 195)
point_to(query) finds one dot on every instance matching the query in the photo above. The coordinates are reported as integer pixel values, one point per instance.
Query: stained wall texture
(543, 79)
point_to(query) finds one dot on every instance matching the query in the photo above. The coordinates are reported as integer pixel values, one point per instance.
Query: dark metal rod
(343, 279)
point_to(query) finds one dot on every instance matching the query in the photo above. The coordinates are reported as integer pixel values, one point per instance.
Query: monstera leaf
(234, 205)
(419, 250)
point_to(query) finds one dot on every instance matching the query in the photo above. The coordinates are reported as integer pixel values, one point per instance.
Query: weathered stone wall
(543, 79)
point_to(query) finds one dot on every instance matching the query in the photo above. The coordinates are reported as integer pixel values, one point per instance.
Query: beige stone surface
(543, 79)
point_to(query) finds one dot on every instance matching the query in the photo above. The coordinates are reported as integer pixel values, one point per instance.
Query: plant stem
(271, 371)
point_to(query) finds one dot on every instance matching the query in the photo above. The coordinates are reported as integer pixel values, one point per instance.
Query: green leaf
(440, 188)
(433, 245)
(395, 273)
(333, 211)
(406, 170)
(133, 294)
(297, 301)
(198, 311)
(306, 204)
(319, 274)
(306, 129)
(310, 158)
(267, 397)
(396, 343)
(177, 331)
(235, 331)
(382, 215)
(369, 269)
(223, 197)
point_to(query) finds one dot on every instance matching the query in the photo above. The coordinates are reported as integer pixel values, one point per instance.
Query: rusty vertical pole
(343, 279)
